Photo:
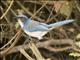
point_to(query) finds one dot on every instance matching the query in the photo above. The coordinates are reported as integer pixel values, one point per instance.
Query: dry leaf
(66, 9)
(58, 5)
(78, 36)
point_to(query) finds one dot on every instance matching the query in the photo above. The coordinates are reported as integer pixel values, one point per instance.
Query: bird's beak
(16, 17)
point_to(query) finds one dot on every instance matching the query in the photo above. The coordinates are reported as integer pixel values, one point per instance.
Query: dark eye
(22, 19)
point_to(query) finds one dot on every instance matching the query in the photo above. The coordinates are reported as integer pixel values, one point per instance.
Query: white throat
(20, 22)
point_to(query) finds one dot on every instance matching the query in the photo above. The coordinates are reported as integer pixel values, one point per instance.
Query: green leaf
(75, 54)
(17, 25)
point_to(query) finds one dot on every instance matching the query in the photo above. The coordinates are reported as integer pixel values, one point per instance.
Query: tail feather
(58, 24)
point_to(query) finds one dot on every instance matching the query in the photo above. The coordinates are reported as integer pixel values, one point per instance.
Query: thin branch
(27, 11)
(38, 10)
(22, 51)
(4, 52)
(36, 51)
(9, 41)
(7, 9)
(47, 44)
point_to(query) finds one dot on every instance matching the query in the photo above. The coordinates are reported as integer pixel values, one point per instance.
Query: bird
(38, 29)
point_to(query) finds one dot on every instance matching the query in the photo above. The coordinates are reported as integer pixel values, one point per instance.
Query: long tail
(58, 24)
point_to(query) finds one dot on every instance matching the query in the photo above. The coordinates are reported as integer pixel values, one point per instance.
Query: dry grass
(56, 45)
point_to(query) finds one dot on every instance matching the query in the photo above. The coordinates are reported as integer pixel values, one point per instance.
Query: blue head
(22, 19)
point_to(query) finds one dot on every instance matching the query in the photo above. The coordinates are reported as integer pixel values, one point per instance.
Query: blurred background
(61, 43)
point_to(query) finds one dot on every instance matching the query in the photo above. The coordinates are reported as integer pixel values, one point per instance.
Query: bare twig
(36, 51)
(46, 44)
(9, 41)
(22, 51)
(4, 16)
(27, 11)
(10, 8)
(77, 5)
(38, 10)
(7, 9)
(4, 52)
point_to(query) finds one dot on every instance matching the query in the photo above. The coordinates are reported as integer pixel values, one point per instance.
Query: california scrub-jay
(38, 29)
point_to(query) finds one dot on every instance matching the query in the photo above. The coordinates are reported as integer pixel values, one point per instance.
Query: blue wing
(32, 26)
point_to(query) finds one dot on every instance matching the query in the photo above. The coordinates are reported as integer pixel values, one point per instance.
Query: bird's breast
(37, 34)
